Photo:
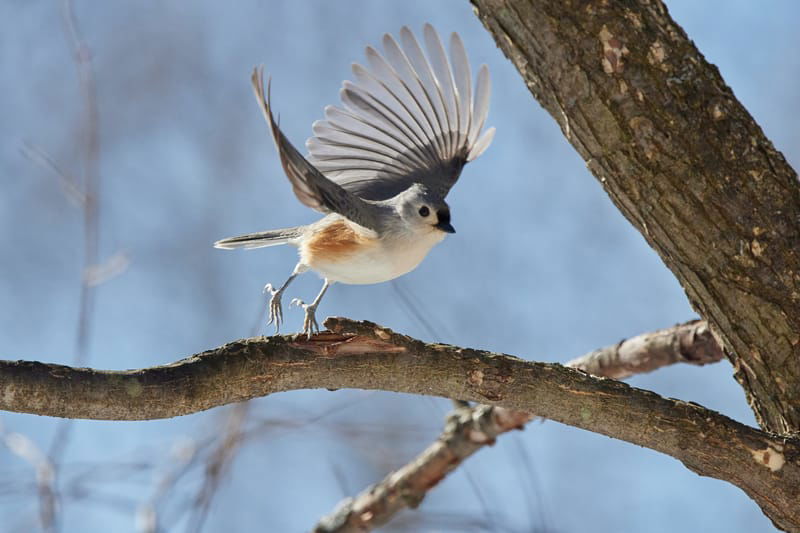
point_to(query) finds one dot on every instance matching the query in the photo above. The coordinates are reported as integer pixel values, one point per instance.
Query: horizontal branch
(366, 356)
(470, 429)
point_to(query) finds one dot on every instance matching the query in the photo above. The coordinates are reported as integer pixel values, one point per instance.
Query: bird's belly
(375, 264)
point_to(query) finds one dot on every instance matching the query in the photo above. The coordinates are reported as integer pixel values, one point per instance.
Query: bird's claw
(310, 325)
(275, 308)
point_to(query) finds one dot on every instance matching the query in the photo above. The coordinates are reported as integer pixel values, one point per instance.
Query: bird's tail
(261, 239)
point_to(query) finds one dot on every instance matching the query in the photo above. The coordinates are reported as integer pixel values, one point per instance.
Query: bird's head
(422, 211)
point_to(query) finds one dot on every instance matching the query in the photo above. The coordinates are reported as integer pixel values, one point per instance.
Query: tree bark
(469, 429)
(684, 162)
(366, 356)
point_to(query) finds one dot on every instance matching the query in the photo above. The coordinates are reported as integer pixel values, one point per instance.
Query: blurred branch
(367, 356)
(68, 184)
(84, 195)
(469, 429)
(82, 56)
(26, 449)
(219, 462)
(83, 65)
(466, 431)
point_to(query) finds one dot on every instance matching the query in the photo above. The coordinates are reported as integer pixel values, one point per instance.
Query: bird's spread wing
(310, 186)
(408, 118)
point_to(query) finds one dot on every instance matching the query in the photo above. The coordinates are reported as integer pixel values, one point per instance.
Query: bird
(380, 166)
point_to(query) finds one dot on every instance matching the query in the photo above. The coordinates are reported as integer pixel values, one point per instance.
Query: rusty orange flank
(333, 243)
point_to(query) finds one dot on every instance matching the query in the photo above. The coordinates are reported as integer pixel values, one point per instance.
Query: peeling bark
(685, 163)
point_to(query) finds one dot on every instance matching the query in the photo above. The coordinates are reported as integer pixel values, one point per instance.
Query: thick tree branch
(685, 163)
(364, 355)
(470, 429)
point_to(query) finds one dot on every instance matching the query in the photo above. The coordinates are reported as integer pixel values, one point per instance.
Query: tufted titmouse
(380, 167)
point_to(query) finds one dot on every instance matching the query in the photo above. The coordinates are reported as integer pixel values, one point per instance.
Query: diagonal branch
(466, 431)
(691, 343)
(685, 163)
(364, 355)
(469, 429)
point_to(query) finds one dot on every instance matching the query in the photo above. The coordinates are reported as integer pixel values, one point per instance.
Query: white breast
(389, 258)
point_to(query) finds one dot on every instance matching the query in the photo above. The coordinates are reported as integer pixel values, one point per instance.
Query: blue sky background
(543, 266)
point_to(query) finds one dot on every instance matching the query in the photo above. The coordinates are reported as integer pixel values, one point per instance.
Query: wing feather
(310, 186)
(424, 74)
(360, 101)
(387, 76)
(410, 116)
(443, 78)
(399, 61)
(328, 134)
(480, 106)
(344, 121)
(461, 76)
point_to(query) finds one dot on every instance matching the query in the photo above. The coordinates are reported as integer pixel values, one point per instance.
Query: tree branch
(691, 343)
(469, 429)
(364, 355)
(685, 163)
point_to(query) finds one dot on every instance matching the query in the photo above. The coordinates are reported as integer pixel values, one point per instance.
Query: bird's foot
(310, 325)
(275, 308)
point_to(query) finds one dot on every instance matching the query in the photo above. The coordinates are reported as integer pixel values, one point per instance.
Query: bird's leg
(275, 309)
(310, 325)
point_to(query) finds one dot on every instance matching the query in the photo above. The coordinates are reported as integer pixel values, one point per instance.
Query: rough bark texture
(684, 162)
(366, 356)
(470, 429)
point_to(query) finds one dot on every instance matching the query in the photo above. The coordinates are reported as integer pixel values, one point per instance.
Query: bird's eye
(424, 211)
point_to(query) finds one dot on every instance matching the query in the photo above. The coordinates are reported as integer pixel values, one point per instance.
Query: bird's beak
(445, 227)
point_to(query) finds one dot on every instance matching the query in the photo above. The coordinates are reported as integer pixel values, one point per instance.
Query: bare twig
(691, 343)
(365, 355)
(183, 454)
(109, 269)
(91, 177)
(90, 192)
(24, 448)
(67, 181)
(220, 461)
(88, 196)
(467, 430)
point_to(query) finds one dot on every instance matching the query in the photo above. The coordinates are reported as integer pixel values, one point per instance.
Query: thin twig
(218, 465)
(89, 195)
(68, 183)
(24, 448)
